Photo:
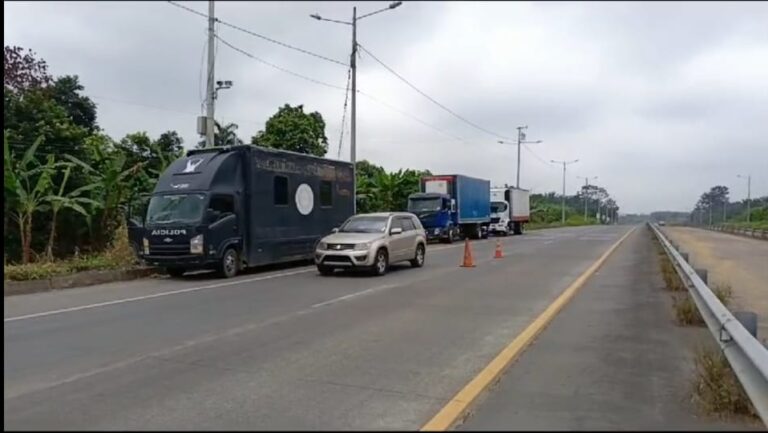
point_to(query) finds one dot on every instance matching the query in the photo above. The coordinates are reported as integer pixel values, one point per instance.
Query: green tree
(80, 109)
(293, 129)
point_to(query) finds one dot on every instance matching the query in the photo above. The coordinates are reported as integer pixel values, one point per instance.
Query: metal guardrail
(748, 232)
(747, 356)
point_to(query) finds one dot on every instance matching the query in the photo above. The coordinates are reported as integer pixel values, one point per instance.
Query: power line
(283, 44)
(542, 160)
(411, 116)
(468, 122)
(344, 113)
(280, 68)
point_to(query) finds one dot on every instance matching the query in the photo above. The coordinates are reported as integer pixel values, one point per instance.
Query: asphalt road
(614, 359)
(286, 349)
(737, 261)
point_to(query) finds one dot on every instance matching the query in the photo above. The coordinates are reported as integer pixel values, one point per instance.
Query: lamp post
(353, 67)
(586, 185)
(749, 193)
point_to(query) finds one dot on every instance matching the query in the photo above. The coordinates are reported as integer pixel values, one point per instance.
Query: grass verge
(119, 255)
(716, 389)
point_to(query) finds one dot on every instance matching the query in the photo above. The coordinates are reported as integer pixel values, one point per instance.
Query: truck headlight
(322, 246)
(363, 247)
(196, 245)
(145, 243)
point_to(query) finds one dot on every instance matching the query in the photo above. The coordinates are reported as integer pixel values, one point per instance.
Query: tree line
(69, 185)
(714, 207)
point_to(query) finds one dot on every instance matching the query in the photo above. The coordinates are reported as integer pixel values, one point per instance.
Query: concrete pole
(353, 127)
(210, 100)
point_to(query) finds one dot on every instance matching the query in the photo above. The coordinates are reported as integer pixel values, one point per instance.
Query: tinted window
(364, 224)
(326, 193)
(407, 224)
(396, 222)
(223, 203)
(281, 190)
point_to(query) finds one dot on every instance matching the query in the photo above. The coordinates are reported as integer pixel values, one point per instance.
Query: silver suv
(373, 241)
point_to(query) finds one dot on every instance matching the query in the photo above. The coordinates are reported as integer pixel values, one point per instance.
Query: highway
(289, 349)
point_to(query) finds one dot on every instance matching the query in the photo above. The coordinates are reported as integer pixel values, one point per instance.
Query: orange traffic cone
(499, 254)
(468, 261)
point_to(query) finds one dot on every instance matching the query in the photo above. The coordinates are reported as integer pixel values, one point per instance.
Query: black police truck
(228, 207)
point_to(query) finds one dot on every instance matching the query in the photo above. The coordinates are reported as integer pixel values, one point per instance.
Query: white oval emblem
(305, 199)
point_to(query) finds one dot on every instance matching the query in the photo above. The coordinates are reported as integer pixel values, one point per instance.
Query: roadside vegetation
(69, 188)
(715, 388)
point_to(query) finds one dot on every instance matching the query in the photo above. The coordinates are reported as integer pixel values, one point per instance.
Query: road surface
(613, 360)
(286, 349)
(738, 261)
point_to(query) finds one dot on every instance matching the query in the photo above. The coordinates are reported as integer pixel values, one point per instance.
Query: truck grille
(341, 247)
(337, 259)
(495, 220)
(168, 250)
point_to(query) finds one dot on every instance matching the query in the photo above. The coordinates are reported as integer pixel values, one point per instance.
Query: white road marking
(352, 295)
(157, 295)
(195, 289)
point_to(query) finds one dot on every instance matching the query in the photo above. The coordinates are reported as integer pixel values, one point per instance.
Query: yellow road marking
(458, 405)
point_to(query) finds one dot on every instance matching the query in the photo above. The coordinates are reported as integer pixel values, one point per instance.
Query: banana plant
(71, 200)
(28, 183)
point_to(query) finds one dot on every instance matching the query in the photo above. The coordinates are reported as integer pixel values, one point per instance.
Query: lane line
(457, 407)
(352, 295)
(156, 295)
(194, 289)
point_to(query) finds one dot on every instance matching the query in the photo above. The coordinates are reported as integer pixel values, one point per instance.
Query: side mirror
(136, 222)
(335, 230)
(396, 231)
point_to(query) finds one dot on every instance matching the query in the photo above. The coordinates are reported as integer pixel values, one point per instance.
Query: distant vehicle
(225, 208)
(510, 210)
(373, 242)
(662, 223)
(452, 206)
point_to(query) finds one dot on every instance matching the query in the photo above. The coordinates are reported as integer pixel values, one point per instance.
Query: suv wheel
(418, 259)
(381, 263)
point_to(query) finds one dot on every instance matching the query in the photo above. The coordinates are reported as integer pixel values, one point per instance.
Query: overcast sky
(661, 100)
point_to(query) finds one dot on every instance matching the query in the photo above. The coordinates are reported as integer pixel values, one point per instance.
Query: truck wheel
(451, 236)
(229, 263)
(175, 272)
(380, 263)
(418, 259)
(518, 228)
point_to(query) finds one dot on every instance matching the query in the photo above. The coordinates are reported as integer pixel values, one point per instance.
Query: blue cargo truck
(453, 206)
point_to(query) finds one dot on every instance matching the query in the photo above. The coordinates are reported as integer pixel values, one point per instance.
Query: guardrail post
(747, 319)
(702, 273)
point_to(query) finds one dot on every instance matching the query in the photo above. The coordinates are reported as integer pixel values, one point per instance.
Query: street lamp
(520, 140)
(353, 67)
(749, 193)
(564, 164)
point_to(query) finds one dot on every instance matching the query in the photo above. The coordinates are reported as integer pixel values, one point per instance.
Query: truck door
(224, 227)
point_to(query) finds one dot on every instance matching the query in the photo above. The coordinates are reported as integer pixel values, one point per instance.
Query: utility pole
(565, 163)
(749, 194)
(520, 140)
(353, 70)
(586, 185)
(210, 100)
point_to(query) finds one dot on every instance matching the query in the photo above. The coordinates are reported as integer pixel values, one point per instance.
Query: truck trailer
(225, 208)
(510, 210)
(452, 206)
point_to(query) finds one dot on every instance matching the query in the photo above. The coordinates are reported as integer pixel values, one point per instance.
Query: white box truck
(510, 210)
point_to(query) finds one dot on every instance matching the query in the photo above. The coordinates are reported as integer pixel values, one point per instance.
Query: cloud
(661, 100)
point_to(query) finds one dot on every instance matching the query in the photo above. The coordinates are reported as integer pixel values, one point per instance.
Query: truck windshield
(366, 224)
(424, 204)
(177, 208)
(498, 207)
